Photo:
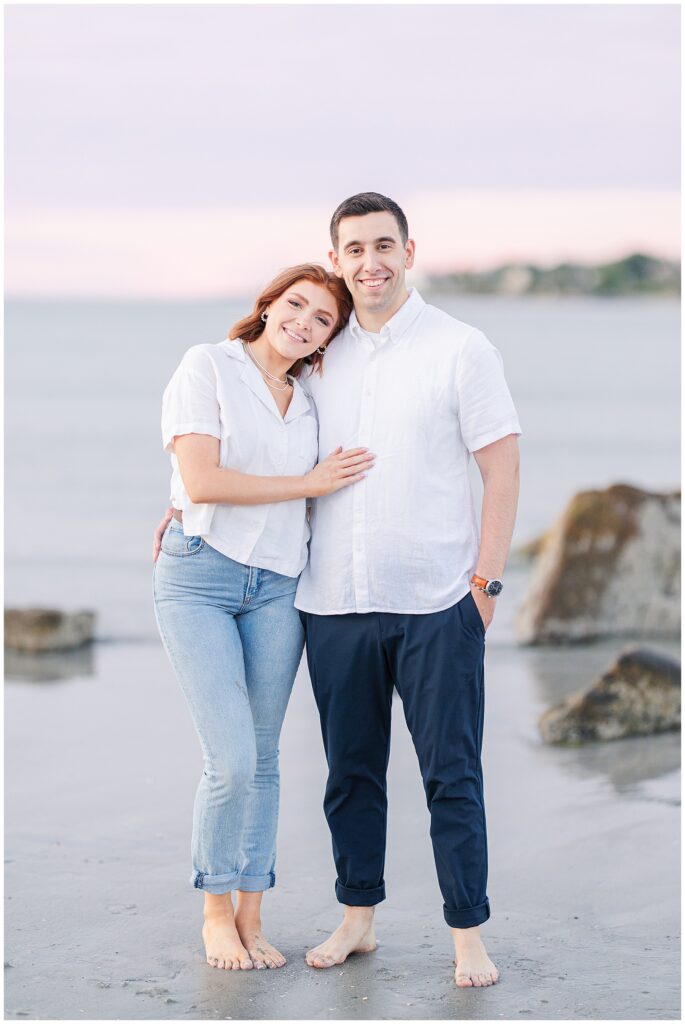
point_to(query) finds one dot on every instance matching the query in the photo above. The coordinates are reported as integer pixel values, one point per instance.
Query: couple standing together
(383, 574)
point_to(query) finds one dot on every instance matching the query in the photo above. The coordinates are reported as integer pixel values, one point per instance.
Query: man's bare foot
(261, 952)
(222, 944)
(474, 968)
(355, 935)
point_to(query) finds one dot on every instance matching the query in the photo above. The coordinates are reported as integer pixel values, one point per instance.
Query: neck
(270, 360)
(374, 322)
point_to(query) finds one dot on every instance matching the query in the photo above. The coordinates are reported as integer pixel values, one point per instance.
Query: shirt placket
(360, 555)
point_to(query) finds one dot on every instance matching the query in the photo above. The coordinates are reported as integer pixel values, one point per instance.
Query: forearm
(216, 486)
(498, 515)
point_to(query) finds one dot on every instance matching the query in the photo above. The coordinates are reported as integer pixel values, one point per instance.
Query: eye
(294, 302)
(385, 245)
(353, 252)
(322, 320)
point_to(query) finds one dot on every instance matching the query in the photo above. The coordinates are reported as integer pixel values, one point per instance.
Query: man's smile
(373, 282)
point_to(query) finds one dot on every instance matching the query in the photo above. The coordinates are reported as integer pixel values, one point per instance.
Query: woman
(242, 434)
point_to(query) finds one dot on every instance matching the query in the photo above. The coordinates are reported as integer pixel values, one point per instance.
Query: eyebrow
(326, 312)
(383, 238)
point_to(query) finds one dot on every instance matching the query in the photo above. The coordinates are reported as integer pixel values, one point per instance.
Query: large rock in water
(639, 695)
(609, 567)
(42, 629)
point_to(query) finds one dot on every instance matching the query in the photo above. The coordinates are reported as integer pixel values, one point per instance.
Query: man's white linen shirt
(217, 390)
(404, 539)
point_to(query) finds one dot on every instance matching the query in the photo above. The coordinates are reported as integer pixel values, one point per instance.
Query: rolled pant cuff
(359, 897)
(216, 884)
(468, 918)
(255, 883)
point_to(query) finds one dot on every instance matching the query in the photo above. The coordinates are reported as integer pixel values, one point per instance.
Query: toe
(484, 979)
(235, 966)
(246, 964)
(464, 981)
(220, 963)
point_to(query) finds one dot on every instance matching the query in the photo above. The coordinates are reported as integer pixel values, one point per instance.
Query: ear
(335, 262)
(410, 251)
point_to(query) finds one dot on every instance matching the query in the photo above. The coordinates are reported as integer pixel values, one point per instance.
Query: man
(398, 592)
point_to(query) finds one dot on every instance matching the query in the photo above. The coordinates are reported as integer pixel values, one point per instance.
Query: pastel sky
(180, 151)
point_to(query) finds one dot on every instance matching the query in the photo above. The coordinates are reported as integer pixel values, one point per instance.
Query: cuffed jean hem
(255, 883)
(216, 884)
(468, 918)
(219, 884)
(359, 897)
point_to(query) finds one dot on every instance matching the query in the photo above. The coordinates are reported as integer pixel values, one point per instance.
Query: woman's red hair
(251, 326)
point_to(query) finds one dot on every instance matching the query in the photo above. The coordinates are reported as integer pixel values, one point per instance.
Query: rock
(42, 629)
(529, 551)
(609, 567)
(639, 695)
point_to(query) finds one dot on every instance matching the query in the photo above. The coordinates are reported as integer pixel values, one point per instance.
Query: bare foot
(222, 944)
(474, 968)
(355, 935)
(262, 953)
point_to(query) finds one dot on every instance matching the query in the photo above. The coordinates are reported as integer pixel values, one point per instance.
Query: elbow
(198, 494)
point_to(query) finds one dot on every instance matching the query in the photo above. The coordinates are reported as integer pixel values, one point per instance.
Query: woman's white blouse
(217, 390)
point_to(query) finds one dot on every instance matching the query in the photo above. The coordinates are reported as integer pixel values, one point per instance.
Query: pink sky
(180, 151)
(177, 253)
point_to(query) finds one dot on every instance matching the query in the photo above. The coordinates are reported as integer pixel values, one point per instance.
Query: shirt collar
(397, 324)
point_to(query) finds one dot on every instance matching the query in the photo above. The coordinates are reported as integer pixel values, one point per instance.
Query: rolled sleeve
(485, 406)
(191, 403)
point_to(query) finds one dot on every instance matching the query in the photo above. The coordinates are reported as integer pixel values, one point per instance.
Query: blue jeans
(234, 639)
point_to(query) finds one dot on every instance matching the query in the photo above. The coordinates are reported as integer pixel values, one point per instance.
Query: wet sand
(102, 923)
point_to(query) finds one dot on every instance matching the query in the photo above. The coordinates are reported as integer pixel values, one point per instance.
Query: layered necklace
(269, 378)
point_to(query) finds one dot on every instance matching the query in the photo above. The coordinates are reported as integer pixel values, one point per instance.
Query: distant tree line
(637, 273)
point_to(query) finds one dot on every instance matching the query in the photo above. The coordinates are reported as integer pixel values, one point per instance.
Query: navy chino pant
(435, 661)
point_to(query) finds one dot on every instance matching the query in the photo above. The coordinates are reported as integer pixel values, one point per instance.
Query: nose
(371, 264)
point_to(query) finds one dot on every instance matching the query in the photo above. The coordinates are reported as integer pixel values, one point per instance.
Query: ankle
(248, 917)
(218, 908)
(466, 937)
(359, 916)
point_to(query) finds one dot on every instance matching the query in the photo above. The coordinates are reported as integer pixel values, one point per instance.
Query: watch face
(494, 587)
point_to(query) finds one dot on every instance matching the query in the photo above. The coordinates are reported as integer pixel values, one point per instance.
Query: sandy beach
(102, 760)
(102, 923)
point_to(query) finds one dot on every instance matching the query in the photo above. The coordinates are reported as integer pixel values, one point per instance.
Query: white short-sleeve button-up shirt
(428, 394)
(217, 390)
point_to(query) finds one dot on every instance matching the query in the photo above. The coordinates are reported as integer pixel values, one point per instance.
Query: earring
(321, 351)
(264, 317)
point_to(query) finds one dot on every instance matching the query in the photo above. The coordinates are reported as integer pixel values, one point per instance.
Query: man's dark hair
(368, 202)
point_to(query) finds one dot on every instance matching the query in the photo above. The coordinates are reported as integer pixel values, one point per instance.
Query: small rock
(639, 695)
(41, 629)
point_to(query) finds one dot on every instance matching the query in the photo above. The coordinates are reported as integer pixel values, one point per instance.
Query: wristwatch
(490, 587)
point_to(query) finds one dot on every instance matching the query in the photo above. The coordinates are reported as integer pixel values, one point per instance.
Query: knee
(230, 776)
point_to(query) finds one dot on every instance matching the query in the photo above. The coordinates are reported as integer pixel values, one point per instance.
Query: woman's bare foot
(474, 968)
(355, 935)
(248, 921)
(223, 946)
(262, 953)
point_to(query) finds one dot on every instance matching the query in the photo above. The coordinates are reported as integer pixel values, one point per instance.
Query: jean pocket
(175, 543)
